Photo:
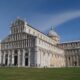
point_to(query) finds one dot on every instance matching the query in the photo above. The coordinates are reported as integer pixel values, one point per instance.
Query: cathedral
(26, 46)
(72, 53)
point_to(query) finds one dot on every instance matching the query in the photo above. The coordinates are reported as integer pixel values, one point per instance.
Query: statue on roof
(52, 28)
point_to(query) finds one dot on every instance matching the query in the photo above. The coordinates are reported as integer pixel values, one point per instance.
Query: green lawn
(39, 74)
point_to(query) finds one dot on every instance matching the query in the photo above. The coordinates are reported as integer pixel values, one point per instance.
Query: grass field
(39, 74)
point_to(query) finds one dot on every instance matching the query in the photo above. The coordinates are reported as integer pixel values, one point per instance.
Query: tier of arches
(15, 58)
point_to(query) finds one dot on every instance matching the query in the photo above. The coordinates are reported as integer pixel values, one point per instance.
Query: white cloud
(60, 18)
(64, 17)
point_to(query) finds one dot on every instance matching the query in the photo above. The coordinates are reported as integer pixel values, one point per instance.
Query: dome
(52, 33)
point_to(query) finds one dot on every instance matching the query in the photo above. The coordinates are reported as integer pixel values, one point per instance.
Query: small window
(26, 54)
(15, 51)
(69, 58)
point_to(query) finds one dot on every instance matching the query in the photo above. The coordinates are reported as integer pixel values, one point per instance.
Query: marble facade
(26, 46)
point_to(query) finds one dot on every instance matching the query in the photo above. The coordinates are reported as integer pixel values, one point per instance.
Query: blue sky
(64, 15)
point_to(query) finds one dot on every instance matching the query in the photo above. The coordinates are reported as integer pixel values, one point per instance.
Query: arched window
(26, 54)
(6, 59)
(69, 58)
(6, 55)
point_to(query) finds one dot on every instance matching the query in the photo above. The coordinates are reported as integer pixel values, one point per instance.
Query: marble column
(0, 56)
(41, 58)
(12, 61)
(48, 59)
(50, 56)
(77, 60)
(29, 58)
(35, 57)
(4, 57)
(38, 58)
(8, 58)
(23, 58)
(74, 60)
(68, 61)
(71, 60)
(19, 58)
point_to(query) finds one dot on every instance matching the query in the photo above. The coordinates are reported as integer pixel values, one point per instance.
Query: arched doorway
(6, 59)
(75, 63)
(16, 58)
(26, 59)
